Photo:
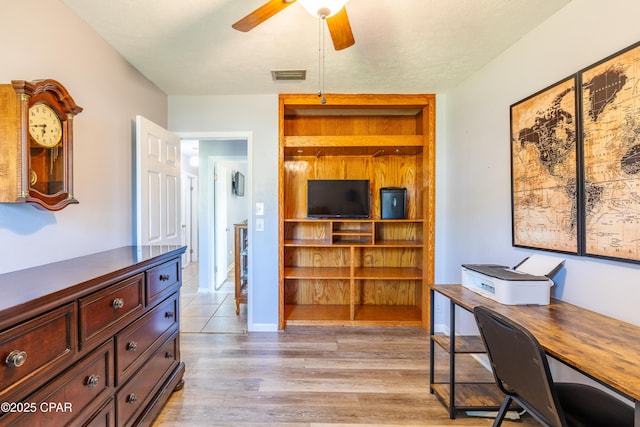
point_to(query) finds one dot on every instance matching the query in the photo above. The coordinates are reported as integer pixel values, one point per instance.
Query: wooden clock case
(29, 172)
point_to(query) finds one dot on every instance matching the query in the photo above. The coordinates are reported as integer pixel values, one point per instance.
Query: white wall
(44, 39)
(477, 196)
(256, 115)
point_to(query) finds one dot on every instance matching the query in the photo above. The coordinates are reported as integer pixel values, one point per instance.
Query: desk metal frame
(600, 347)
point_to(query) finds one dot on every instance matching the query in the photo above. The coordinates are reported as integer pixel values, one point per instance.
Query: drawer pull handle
(169, 314)
(117, 303)
(93, 380)
(168, 355)
(164, 277)
(132, 398)
(16, 358)
(132, 346)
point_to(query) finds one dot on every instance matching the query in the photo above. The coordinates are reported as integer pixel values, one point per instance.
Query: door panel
(157, 186)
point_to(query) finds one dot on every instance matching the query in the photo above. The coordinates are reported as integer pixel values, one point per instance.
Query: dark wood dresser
(91, 341)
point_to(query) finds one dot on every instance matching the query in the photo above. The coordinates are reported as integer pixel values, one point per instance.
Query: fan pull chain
(321, 37)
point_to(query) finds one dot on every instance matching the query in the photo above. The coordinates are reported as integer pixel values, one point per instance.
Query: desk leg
(636, 416)
(452, 360)
(431, 343)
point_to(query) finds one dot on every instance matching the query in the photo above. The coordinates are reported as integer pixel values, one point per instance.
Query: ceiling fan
(332, 11)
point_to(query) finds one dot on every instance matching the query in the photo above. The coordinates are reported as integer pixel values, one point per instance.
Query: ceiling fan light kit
(333, 12)
(322, 8)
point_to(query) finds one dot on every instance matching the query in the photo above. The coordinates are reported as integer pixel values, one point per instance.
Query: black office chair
(521, 371)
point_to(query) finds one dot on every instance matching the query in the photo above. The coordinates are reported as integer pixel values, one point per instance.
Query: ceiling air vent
(289, 75)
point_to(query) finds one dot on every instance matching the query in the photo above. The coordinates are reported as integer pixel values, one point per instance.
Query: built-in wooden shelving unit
(356, 271)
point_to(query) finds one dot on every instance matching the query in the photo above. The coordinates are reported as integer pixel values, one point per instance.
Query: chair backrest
(520, 366)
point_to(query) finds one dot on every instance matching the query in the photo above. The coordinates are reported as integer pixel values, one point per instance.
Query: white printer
(527, 283)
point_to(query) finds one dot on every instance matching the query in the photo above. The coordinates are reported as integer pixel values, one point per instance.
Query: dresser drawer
(78, 392)
(134, 396)
(160, 279)
(105, 417)
(142, 337)
(104, 312)
(37, 348)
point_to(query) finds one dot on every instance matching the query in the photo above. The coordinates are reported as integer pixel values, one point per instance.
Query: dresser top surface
(63, 278)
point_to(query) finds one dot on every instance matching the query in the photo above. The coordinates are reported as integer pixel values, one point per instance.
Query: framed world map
(544, 169)
(611, 143)
(575, 162)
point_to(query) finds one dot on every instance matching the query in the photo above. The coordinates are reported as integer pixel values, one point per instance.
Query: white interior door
(222, 186)
(157, 185)
(189, 217)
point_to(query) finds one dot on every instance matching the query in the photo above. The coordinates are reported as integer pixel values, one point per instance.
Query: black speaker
(393, 203)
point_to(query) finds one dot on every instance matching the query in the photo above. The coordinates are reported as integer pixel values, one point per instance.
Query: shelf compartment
(352, 234)
(387, 292)
(317, 257)
(339, 315)
(470, 396)
(405, 261)
(388, 315)
(398, 232)
(354, 123)
(471, 344)
(306, 232)
(321, 292)
(314, 314)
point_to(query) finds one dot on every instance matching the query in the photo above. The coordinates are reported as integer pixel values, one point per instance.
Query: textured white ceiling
(188, 47)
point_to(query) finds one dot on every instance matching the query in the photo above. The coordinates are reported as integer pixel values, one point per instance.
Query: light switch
(259, 208)
(259, 224)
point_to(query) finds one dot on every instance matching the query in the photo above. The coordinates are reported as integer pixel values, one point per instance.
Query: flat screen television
(237, 184)
(338, 198)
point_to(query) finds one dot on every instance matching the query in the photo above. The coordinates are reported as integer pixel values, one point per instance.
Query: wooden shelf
(316, 272)
(470, 396)
(388, 273)
(360, 273)
(339, 315)
(307, 242)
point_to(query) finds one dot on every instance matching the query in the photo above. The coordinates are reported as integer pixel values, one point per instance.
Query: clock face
(44, 125)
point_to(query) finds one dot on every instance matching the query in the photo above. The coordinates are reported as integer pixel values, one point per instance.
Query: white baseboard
(262, 327)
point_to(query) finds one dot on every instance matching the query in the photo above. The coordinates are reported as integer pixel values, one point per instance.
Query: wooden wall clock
(36, 143)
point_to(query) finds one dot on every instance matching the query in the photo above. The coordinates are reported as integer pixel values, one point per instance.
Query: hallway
(213, 313)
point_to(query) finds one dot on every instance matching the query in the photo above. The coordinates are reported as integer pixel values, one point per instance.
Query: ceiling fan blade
(340, 30)
(261, 14)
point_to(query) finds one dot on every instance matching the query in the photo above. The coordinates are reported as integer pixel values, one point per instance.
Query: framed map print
(611, 144)
(544, 169)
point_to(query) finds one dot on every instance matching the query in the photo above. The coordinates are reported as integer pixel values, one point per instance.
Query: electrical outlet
(438, 308)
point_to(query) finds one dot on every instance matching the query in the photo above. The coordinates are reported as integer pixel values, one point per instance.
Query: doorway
(219, 155)
(206, 221)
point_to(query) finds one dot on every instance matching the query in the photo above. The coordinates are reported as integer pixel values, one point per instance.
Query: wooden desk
(604, 349)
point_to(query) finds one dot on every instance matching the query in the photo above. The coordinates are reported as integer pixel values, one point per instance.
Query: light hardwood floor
(309, 376)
